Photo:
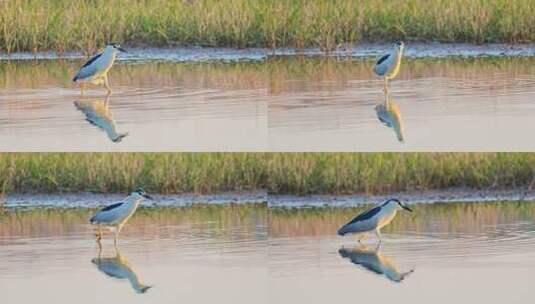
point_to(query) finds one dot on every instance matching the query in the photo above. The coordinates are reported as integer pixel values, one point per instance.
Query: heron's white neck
(134, 200)
(398, 51)
(391, 207)
(110, 50)
(108, 55)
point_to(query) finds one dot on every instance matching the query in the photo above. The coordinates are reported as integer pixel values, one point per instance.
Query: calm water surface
(443, 253)
(195, 254)
(277, 103)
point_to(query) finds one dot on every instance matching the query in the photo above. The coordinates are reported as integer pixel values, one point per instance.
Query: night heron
(116, 215)
(373, 219)
(389, 114)
(97, 113)
(374, 261)
(388, 65)
(95, 70)
(118, 267)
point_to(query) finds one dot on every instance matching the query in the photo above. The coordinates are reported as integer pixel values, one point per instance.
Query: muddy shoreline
(93, 200)
(422, 197)
(362, 50)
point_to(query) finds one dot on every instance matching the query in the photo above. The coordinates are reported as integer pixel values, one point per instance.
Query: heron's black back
(365, 215)
(92, 59)
(382, 59)
(112, 206)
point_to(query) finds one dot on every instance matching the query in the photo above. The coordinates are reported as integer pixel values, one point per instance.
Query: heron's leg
(82, 88)
(116, 237)
(99, 248)
(362, 237)
(117, 231)
(107, 84)
(378, 234)
(386, 85)
(99, 233)
(378, 248)
(107, 100)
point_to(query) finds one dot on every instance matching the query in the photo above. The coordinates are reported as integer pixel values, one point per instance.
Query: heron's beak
(122, 50)
(406, 208)
(147, 196)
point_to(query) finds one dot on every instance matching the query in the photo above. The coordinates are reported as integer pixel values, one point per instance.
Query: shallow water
(271, 103)
(191, 254)
(443, 253)
(154, 107)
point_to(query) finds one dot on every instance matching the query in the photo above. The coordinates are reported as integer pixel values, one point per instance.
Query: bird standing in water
(116, 215)
(95, 70)
(388, 65)
(373, 219)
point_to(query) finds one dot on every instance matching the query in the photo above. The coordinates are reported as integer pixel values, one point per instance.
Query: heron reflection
(97, 113)
(374, 261)
(118, 267)
(389, 114)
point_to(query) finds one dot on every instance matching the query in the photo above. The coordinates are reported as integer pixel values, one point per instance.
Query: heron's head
(142, 193)
(399, 45)
(116, 47)
(399, 204)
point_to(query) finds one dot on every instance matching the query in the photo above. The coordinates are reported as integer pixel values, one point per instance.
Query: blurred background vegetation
(64, 25)
(278, 173)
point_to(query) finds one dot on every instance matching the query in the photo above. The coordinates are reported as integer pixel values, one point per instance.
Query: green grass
(279, 173)
(86, 25)
(121, 172)
(376, 173)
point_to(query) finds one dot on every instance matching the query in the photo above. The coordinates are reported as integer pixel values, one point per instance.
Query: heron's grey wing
(88, 69)
(381, 67)
(367, 260)
(382, 115)
(365, 215)
(361, 223)
(111, 267)
(106, 214)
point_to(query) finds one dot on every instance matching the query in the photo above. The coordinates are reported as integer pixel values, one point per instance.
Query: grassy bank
(376, 173)
(121, 172)
(280, 173)
(84, 25)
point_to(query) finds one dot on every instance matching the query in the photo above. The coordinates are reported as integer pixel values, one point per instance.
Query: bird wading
(116, 215)
(388, 65)
(95, 70)
(373, 219)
